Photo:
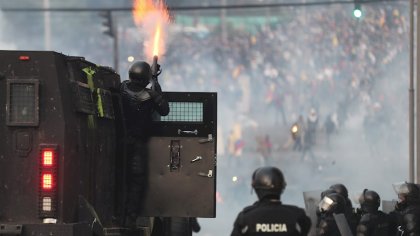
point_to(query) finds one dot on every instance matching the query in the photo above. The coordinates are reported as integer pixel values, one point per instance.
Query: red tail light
(47, 181)
(24, 58)
(47, 157)
(48, 169)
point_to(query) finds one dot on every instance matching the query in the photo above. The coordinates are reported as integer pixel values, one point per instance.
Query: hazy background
(264, 63)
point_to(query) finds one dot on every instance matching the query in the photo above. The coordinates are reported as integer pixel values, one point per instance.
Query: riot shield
(388, 206)
(312, 198)
(342, 224)
(181, 179)
(399, 187)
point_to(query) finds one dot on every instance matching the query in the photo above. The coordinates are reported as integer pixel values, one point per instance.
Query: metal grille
(83, 99)
(184, 112)
(22, 103)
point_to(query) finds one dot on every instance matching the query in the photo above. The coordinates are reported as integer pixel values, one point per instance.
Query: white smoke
(4, 43)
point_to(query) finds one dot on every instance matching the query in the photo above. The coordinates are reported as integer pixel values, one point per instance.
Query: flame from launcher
(151, 17)
(156, 41)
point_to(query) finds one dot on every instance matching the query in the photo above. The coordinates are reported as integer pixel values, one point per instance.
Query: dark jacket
(138, 107)
(375, 224)
(271, 217)
(407, 218)
(327, 226)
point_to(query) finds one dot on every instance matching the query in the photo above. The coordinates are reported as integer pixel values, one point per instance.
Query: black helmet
(369, 201)
(326, 192)
(340, 189)
(140, 72)
(332, 203)
(268, 181)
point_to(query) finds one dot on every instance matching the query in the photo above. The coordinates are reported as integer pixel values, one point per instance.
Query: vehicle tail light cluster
(48, 180)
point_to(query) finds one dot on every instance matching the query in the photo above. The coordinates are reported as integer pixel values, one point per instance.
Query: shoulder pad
(411, 222)
(294, 207)
(409, 217)
(250, 208)
(362, 229)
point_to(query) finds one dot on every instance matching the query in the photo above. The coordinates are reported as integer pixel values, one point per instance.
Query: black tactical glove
(156, 87)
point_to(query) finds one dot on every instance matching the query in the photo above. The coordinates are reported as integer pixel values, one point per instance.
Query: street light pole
(111, 29)
(411, 116)
(116, 49)
(417, 162)
(47, 25)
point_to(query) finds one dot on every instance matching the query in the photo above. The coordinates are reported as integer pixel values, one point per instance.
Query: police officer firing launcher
(269, 216)
(139, 103)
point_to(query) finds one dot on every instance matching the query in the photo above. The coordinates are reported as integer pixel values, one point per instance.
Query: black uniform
(271, 217)
(349, 213)
(407, 212)
(139, 103)
(375, 224)
(138, 108)
(407, 217)
(372, 221)
(327, 226)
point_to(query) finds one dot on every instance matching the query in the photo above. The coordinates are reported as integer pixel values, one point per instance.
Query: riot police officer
(373, 221)
(407, 211)
(318, 212)
(351, 217)
(139, 103)
(269, 216)
(332, 203)
(342, 190)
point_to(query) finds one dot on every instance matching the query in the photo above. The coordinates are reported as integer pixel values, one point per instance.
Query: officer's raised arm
(161, 104)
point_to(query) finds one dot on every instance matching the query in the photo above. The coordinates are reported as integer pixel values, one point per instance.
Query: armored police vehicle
(62, 153)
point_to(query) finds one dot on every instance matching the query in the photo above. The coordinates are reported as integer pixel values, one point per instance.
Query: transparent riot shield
(312, 198)
(342, 224)
(388, 206)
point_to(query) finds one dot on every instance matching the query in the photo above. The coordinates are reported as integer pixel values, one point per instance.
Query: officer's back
(373, 222)
(269, 216)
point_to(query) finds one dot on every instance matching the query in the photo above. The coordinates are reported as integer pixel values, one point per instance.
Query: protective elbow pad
(411, 222)
(362, 230)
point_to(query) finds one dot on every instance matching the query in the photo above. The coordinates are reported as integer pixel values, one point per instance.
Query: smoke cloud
(269, 67)
(4, 44)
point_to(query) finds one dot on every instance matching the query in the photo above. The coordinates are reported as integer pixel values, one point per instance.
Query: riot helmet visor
(326, 204)
(407, 191)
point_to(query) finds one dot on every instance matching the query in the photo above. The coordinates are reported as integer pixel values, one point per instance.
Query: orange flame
(151, 18)
(156, 43)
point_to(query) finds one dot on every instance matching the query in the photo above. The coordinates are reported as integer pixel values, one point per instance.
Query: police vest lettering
(271, 228)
